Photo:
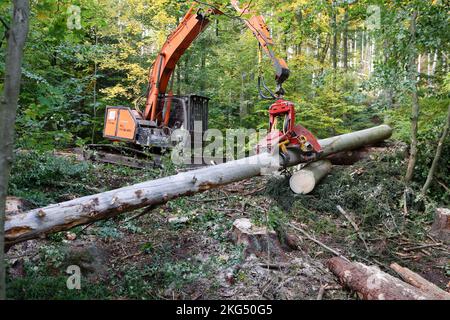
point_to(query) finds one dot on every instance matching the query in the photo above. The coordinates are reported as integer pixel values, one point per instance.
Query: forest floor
(145, 255)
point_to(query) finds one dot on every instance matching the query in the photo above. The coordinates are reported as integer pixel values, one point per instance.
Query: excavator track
(120, 155)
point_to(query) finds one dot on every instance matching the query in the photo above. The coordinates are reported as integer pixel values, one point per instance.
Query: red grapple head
(298, 138)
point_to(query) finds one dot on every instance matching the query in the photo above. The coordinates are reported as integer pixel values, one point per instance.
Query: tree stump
(441, 226)
(256, 240)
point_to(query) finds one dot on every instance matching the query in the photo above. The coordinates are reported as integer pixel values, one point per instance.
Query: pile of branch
(66, 215)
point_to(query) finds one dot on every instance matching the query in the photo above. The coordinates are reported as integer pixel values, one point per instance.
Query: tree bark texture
(8, 108)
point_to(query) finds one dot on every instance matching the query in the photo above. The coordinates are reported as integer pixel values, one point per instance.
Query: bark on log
(305, 180)
(347, 158)
(347, 141)
(16, 205)
(417, 281)
(370, 283)
(441, 225)
(66, 215)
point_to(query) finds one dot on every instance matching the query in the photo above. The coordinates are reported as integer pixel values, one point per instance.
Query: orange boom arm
(179, 41)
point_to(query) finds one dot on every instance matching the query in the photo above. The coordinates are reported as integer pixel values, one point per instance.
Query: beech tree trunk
(346, 158)
(8, 108)
(305, 180)
(345, 39)
(334, 47)
(370, 283)
(437, 157)
(415, 103)
(69, 214)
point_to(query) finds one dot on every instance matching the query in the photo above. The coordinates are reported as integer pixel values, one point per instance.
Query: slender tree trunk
(387, 89)
(419, 66)
(217, 28)
(334, 30)
(16, 40)
(372, 56)
(94, 93)
(433, 68)
(203, 70)
(299, 19)
(415, 101)
(362, 52)
(186, 73)
(438, 154)
(242, 104)
(178, 72)
(345, 55)
(318, 47)
(325, 49)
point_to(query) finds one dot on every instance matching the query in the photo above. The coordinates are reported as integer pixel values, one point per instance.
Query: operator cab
(188, 112)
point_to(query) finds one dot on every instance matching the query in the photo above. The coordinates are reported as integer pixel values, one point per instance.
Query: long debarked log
(304, 180)
(417, 281)
(66, 215)
(370, 283)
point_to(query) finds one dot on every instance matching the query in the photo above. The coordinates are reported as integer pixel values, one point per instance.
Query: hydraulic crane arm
(260, 30)
(151, 128)
(179, 41)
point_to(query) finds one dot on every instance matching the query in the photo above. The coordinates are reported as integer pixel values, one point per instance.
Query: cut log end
(302, 182)
(305, 180)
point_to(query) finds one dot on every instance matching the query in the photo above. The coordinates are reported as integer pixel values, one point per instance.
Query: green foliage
(433, 114)
(46, 279)
(43, 178)
(372, 191)
(42, 287)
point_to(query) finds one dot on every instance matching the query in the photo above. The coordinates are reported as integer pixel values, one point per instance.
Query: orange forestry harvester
(165, 112)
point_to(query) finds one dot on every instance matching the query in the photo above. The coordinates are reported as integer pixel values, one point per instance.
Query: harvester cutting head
(291, 136)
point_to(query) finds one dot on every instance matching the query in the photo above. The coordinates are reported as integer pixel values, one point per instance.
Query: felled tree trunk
(370, 283)
(417, 281)
(347, 158)
(305, 180)
(66, 215)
